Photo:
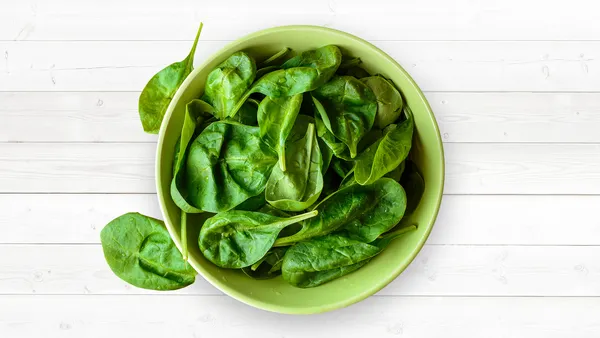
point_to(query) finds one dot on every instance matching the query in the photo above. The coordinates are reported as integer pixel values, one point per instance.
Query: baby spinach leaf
(396, 174)
(337, 148)
(388, 208)
(237, 239)
(324, 60)
(362, 212)
(159, 91)
(273, 59)
(414, 184)
(387, 153)
(195, 113)
(267, 267)
(341, 167)
(262, 71)
(320, 260)
(301, 184)
(138, 250)
(349, 109)
(227, 83)
(276, 117)
(300, 74)
(356, 71)
(348, 63)
(227, 164)
(389, 100)
(247, 114)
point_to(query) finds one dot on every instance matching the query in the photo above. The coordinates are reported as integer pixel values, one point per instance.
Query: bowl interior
(275, 294)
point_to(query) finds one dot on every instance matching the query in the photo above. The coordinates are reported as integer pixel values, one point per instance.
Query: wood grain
(437, 271)
(379, 20)
(471, 168)
(463, 219)
(462, 117)
(482, 66)
(189, 316)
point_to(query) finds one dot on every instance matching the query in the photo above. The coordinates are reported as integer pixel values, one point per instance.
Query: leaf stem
(193, 50)
(183, 235)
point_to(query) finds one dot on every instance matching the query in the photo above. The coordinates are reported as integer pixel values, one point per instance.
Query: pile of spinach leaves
(304, 164)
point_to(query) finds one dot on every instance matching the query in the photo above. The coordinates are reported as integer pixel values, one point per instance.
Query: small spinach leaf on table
(237, 239)
(159, 91)
(140, 251)
(267, 267)
(227, 164)
(276, 117)
(301, 184)
(349, 109)
(389, 100)
(385, 154)
(228, 82)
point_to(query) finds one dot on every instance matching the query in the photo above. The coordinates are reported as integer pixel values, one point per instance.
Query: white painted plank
(379, 19)
(437, 271)
(198, 316)
(462, 117)
(471, 168)
(463, 219)
(435, 65)
(71, 117)
(85, 167)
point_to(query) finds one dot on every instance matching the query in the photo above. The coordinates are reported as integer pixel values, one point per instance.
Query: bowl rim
(161, 194)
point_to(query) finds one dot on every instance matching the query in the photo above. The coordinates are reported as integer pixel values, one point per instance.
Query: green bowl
(274, 294)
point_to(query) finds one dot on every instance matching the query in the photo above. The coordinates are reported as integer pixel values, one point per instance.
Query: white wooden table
(515, 86)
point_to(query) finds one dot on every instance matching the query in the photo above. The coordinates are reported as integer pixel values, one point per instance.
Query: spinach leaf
(275, 57)
(387, 153)
(262, 71)
(389, 100)
(337, 148)
(354, 208)
(414, 184)
(356, 71)
(253, 203)
(300, 186)
(237, 239)
(159, 91)
(227, 83)
(341, 167)
(267, 267)
(138, 250)
(348, 63)
(227, 164)
(320, 260)
(276, 117)
(247, 114)
(396, 174)
(300, 74)
(349, 109)
(195, 114)
(387, 209)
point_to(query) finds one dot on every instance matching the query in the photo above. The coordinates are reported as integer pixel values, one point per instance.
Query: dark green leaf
(301, 184)
(389, 100)
(227, 164)
(273, 59)
(159, 91)
(195, 113)
(237, 239)
(227, 83)
(140, 251)
(276, 117)
(414, 184)
(267, 267)
(386, 154)
(320, 260)
(356, 206)
(349, 109)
